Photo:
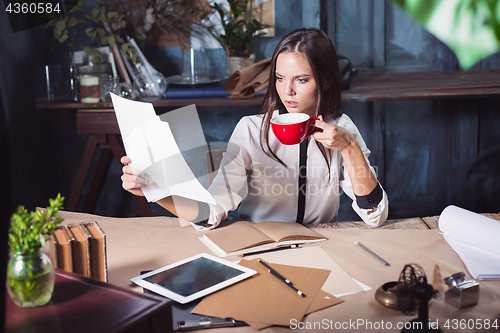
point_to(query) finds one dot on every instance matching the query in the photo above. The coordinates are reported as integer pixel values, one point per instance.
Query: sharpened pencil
(373, 254)
(282, 278)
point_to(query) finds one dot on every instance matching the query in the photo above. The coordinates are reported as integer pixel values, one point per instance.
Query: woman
(260, 175)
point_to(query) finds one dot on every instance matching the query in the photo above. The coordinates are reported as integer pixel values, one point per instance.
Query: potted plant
(114, 19)
(30, 273)
(240, 31)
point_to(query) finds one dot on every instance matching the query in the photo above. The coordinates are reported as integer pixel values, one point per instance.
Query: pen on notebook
(373, 254)
(269, 250)
(282, 278)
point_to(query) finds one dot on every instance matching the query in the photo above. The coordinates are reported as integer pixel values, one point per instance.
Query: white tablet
(193, 277)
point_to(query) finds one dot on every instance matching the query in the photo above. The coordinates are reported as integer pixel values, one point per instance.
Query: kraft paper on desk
(154, 144)
(263, 298)
(322, 300)
(475, 239)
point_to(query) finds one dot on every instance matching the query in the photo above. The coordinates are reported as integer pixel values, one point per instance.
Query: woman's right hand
(132, 178)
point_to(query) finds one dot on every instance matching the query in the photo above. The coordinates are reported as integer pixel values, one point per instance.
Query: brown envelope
(321, 301)
(265, 299)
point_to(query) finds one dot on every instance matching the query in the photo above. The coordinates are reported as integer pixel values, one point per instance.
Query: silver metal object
(387, 295)
(462, 292)
(205, 323)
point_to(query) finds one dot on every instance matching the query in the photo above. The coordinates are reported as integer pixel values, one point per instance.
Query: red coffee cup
(293, 128)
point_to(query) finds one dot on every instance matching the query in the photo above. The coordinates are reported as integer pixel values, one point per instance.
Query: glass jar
(125, 90)
(99, 83)
(150, 87)
(194, 65)
(89, 89)
(107, 84)
(30, 278)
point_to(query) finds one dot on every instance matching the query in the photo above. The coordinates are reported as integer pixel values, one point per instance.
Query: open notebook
(244, 237)
(475, 238)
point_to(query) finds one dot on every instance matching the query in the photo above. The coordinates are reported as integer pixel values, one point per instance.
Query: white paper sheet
(481, 264)
(152, 147)
(475, 238)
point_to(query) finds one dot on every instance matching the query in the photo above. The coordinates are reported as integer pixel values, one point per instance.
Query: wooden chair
(103, 131)
(212, 162)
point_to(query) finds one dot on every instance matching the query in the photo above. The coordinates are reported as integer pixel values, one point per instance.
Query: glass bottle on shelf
(74, 91)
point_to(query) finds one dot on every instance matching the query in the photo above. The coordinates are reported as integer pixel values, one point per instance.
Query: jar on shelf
(89, 89)
(103, 73)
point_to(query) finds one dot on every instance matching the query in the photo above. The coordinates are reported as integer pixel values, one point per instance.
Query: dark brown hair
(319, 51)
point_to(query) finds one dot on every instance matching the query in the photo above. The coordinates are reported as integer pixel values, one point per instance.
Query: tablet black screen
(194, 276)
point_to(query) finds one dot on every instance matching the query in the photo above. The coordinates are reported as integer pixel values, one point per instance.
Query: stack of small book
(80, 248)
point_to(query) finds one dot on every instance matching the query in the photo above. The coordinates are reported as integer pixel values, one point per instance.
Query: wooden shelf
(386, 86)
(366, 87)
(177, 102)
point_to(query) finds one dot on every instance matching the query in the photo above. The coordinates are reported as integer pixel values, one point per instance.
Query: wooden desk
(414, 223)
(98, 120)
(82, 305)
(136, 244)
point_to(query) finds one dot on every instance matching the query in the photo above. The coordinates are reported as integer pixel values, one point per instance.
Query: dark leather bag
(347, 71)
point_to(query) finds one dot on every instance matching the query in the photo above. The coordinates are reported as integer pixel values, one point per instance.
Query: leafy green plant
(102, 26)
(174, 17)
(471, 28)
(29, 230)
(240, 29)
(115, 19)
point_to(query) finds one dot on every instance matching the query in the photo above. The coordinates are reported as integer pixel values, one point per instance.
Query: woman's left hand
(332, 137)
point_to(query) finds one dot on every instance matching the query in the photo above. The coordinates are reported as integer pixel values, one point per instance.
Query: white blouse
(265, 190)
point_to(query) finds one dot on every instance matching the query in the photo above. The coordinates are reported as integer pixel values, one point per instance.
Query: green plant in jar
(30, 273)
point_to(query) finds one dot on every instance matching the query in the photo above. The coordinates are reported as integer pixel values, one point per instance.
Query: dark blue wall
(422, 149)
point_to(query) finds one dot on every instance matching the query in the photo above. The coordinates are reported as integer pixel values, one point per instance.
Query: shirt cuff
(370, 200)
(203, 214)
(209, 216)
